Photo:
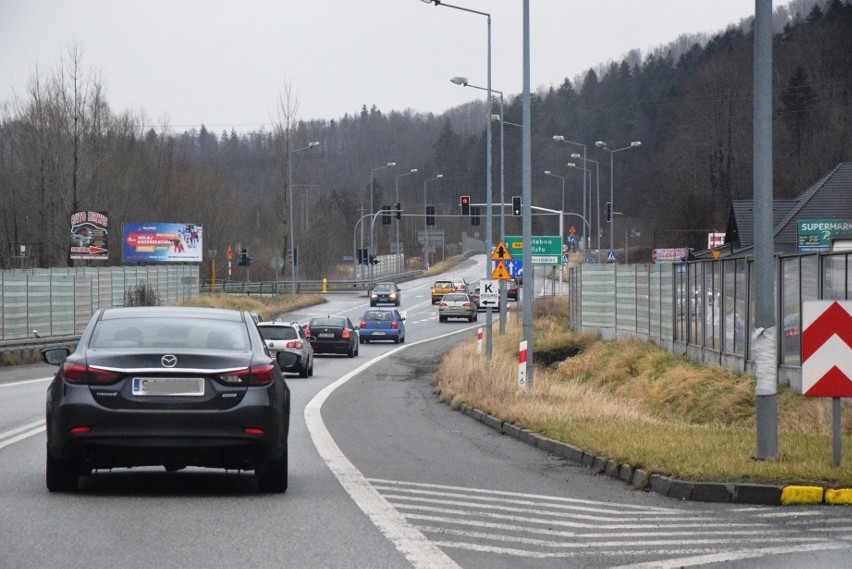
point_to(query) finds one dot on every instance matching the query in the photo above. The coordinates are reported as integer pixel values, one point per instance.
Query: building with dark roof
(829, 199)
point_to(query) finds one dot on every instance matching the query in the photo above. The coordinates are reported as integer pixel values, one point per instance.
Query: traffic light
(430, 215)
(295, 255)
(465, 205)
(398, 207)
(362, 255)
(474, 215)
(609, 211)
(386, 218)
(516, 205)
(245, 260)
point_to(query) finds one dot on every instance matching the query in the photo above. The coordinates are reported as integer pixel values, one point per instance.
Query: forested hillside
(63, 149)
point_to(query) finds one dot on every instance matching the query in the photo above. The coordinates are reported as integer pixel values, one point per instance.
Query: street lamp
(598, 191)
(372, 175)
(425, 221)
(397, 263)
(489, 216)
(290, 199)
(602, 145)
(560, 138)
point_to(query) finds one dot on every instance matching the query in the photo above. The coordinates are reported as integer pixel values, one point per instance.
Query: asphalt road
(381, 475)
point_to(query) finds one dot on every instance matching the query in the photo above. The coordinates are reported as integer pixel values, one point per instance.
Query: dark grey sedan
(171, 387)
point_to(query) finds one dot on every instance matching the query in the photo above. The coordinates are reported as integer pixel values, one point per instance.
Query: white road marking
(733, 556)
(408, 540)
(21, 433)
(25, 382)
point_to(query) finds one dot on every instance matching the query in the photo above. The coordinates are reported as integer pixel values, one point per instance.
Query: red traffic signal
(465, 205)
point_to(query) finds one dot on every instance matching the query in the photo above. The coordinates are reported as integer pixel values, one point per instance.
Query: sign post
(827, 357)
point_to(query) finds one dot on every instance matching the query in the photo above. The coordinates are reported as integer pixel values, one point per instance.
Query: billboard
(161, 243)
(816, 234)
(89, 235)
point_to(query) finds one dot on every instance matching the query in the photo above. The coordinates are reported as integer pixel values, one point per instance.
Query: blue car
(382, 324)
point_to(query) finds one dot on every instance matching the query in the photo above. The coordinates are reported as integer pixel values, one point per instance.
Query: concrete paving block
(492, 422)
(573, 454)
(475, 414)
(511, 430)
(660, 484)
(762, 494)
(640, 479)
(589, 460)
(529, 437)
(681, 489)
(711, 492)
(611, 469)
(625, 472)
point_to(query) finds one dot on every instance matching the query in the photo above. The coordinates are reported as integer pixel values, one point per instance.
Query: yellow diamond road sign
(501, 253)
(500, 272)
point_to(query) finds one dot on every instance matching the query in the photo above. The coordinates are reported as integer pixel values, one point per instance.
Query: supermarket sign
(816, 234)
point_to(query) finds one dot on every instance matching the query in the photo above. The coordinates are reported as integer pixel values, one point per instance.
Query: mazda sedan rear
(171, 387)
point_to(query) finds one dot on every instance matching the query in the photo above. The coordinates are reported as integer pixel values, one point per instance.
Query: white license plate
(378, 333)
(169, 386)
(325, 335)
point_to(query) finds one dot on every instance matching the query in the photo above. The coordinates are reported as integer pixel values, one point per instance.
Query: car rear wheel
(350, 353)
(442, 318)
(61, 475)
(272, 476)
(311, 368)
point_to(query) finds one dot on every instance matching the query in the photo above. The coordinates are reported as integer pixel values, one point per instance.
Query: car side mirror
(55, 356)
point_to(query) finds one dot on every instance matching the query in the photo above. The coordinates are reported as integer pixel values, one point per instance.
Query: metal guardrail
(302, 287)
(28, 344)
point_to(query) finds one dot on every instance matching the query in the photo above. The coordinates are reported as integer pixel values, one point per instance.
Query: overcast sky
(226, 63)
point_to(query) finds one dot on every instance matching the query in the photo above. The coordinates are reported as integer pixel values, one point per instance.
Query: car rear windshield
(328, 322)
(443, 284)
(278, 332)
(170, 334)
(378, 315)
(455, 297)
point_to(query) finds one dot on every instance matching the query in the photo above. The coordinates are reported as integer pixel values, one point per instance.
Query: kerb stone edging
(639, 479)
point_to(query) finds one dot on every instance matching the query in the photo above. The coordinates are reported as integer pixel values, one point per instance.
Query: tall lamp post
(503, 296)
(372, 176)
(396, 258)
(489, 215)
(290, 199)
(560, 138)
(598, 191)
(426, 221)
(602, 145)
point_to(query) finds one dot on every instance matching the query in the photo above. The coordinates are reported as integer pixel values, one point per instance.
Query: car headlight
(393, 295)
(374, 295)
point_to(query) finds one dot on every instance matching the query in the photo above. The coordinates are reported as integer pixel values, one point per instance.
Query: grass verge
(634, 402)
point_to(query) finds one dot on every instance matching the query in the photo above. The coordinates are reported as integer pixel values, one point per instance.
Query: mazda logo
(168, 360)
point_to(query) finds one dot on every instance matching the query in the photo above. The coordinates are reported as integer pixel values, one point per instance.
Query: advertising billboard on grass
(89, 235)
(161, 243)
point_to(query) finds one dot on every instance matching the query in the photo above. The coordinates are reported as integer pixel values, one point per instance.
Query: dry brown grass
(634, 402)
(267, 307)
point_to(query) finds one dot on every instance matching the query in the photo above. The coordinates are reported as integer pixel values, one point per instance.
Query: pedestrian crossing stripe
(500, 272)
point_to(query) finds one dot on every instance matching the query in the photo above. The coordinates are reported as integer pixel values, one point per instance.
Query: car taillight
(466, 304)
(345, 334)
(363, 324)
(308, 332)
(294, 344)
(81, 374)
(255, 375)
(394, 325)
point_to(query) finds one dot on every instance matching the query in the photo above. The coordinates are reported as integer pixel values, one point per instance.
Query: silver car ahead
(457, 305)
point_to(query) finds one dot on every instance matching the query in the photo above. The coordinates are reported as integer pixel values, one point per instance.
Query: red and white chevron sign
(827, 348)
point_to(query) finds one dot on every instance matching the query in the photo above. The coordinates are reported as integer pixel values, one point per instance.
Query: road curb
(640, 479)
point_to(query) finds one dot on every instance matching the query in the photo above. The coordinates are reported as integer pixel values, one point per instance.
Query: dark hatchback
(171, 387)
(333, 335)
